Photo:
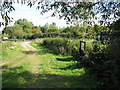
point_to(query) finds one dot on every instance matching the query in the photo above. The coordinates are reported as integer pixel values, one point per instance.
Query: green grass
(64, 68)
(8, 53)
(55, 71)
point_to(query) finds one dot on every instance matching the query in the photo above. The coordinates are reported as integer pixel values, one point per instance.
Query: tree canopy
(71, 11)
(14, 31)
(27, 26)
(19, 29)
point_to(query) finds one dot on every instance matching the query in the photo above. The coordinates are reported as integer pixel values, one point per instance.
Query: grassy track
(42, 68)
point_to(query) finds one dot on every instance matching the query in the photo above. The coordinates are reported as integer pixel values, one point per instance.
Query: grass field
(41, 68)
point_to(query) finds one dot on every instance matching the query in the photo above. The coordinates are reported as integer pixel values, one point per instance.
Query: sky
(33, 15)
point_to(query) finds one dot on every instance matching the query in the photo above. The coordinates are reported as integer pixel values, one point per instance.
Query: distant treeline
(25, 29)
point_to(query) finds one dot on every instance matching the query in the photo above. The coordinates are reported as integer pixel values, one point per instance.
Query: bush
(114, 55)
(67, 46)
(37, 35)
(106, 60)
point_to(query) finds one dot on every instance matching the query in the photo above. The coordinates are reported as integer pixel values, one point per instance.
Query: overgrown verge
(67, 46)
(106, 64)
(103, 58)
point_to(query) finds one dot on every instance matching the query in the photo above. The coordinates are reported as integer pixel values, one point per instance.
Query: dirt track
(27, 46)
(26, 57)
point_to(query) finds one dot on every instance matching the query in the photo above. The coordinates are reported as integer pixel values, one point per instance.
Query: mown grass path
(38, 67)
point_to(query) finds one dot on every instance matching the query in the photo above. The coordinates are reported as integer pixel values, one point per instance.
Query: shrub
(64, 46)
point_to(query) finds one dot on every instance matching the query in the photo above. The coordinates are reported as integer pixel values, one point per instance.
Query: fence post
(81, 50)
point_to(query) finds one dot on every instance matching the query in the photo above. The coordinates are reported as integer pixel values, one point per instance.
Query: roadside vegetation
(59, 57)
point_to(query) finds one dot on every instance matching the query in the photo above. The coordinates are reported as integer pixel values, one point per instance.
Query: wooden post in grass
(82, 50)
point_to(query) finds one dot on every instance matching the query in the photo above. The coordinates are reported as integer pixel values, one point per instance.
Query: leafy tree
(108, 11)
(8, 30)
(96, 28)
(26, 25)
(53, 25)
(53, 28)
(14, 31)
(44, 28)
(67, 29)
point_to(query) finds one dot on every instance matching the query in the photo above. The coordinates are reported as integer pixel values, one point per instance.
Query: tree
(14, 31)
(67, 29)
(52, 28)
(26, 25)
(108, 11)
(17, 31)
(8, 30)
(44, 28)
